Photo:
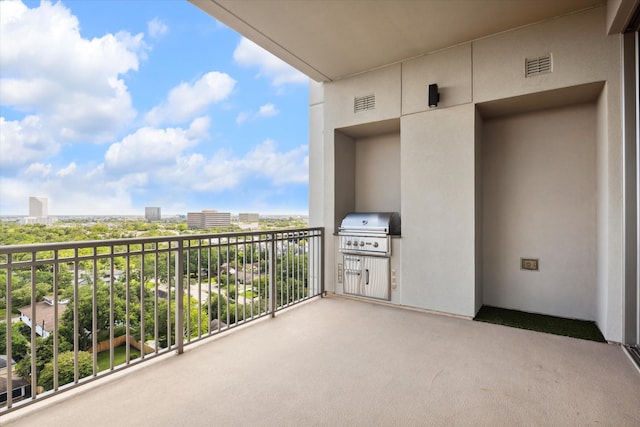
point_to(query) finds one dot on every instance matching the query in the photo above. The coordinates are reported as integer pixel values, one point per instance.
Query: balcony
(93, 308)
(327, 361)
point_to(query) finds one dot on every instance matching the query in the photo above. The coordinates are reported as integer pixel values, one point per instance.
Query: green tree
(85, 314)
(19, 343)
(66, 369)
(215, 302)
(190, 310)
(44, 355)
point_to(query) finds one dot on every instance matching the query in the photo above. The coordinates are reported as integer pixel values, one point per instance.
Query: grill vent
(364, 103)
(538, 65)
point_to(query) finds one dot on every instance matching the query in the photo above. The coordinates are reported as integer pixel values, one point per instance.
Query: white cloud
(59, 88)
(187, 101)
(224, 172)
(24, 141)
(38, 169)
(157, 28)
(265, 111)
(69, 170)
(249, 54)
(280, 168)
(71, 83)
(78, 193)
(268, 110)
(149, 147)
(83, 189)
(243, 117)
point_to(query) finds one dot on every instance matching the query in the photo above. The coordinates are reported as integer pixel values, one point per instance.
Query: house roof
(44, 312)
(329, 40)
(16, 383)
(3, 361)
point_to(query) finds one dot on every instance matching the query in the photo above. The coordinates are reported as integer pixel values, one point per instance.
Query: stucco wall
(539, 201)
(449, 68)
(438, 210)
(580, 48)
(377, 173)
(442, 246)
(385, 84)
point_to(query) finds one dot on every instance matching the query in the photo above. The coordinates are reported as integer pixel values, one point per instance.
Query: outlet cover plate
(530, 264)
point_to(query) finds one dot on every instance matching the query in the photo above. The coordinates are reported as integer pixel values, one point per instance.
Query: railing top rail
(38, 247)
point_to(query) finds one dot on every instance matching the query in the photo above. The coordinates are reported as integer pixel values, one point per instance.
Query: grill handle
(366, 277)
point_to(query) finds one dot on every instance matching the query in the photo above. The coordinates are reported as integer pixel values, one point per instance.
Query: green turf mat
(583, 329)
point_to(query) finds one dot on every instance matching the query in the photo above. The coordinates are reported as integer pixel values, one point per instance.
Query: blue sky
(110, 106)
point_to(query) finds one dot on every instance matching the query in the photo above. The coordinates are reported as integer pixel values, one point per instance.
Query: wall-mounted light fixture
(434, 96)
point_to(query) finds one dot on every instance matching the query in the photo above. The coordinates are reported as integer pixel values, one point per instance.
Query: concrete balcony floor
(336, 361)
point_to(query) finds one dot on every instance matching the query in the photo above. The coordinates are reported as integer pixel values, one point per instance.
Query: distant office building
(248, 217)
(38, 212)
(194, 219)
(208, 219)
(38, 206)
(152, 213)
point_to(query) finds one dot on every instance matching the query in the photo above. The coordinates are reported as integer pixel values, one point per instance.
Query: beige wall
(479, 256)
(442, 245)
(384, 84)
(539, 201)
(449, 68)
(377, 173)
(438, 210)
(579, 46)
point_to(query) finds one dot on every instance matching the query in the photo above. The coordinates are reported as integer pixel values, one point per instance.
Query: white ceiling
(332, 39)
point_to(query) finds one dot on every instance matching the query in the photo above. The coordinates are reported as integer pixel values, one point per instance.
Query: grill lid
(371, 222)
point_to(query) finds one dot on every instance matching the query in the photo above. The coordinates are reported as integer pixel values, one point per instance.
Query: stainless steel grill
(365, 241)
(368, 233)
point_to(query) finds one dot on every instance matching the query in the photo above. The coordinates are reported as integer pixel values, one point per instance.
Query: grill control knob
(375, 244)
(361, 243)
(348, 242)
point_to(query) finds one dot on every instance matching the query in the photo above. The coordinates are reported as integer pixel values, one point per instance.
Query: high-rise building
(38, 212)
(208, 219)
(38, 206)
(152, 213)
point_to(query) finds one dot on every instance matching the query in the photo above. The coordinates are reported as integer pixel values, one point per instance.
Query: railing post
(179, 298)
(322, 249)
(34, 326)
(272, 274)
(76, 315)
(9, 331)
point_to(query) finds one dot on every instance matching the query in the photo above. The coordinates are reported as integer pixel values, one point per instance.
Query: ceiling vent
(364, 103)
(538, 65)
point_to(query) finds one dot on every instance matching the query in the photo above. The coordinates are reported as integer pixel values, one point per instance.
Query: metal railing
(96, 307)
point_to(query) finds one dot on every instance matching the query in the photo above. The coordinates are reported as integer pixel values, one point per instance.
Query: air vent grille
(538, 65)
(364, 103)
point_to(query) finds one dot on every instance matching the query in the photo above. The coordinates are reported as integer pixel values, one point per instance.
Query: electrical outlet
(530, 264)
(394, 283)
(340, 273)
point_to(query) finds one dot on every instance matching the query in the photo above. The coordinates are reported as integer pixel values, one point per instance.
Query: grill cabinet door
(375, 277)
(352, 274)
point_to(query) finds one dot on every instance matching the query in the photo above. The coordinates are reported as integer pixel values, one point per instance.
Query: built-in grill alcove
(367, 168)
(367, 179)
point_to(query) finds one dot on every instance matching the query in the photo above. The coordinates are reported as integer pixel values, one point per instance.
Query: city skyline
(37, 207)
(108, 107)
